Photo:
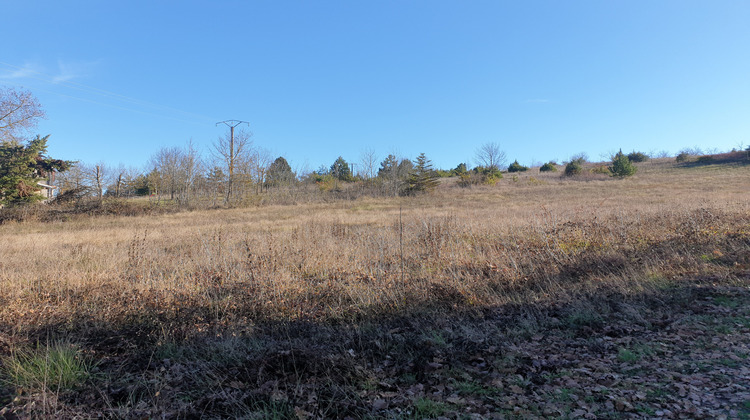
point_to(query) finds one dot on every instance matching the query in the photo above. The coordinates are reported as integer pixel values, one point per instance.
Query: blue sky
(319, 79)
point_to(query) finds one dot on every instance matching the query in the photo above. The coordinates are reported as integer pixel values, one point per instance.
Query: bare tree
(190, 170)
(491, 157)
(119, 175)
(260, 161)
(230, 151)
(19, 111)
(129, 180)
(75, 181)
(369, 161)
(98, 175)
(166, 162)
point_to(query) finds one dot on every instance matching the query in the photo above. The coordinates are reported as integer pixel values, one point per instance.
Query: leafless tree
(166, 162)
(129, 179)
(98, 175)
(260, 161)
(119, 175)
(369, 161)
(74, 179)
(19, 111)
(230, 152)
(491, 157)
(190, 170)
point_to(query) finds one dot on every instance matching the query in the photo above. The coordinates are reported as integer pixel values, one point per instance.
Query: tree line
(234, 171)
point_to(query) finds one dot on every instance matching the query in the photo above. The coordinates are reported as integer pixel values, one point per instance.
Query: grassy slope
(540, 297)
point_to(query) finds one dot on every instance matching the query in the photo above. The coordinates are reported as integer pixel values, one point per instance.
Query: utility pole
(231, 124)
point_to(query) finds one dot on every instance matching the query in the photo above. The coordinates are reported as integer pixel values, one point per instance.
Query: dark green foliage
(636, 157)
(479, 176)
(388, 167)
(444, 173)
(705, 159)
(422, 177)
(457, 171)
(548, 167)
(139, 186)
(340, 170)
(574, 167)
(22, 166)
(405, 168)
(621, 166)
(279, 173)
(601, 169)
(517, 167)
(682, 157)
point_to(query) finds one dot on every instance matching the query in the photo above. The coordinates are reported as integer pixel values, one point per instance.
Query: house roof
(43, 185)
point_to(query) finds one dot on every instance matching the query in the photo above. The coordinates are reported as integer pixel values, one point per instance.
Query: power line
(231, 124)
(101, 92)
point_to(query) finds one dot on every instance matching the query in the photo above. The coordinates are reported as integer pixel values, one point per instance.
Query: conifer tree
(22, 166)
(422, 177)
(621, 166)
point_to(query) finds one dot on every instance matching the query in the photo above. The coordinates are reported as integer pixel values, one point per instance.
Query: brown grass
(540, 239)
(282, 257)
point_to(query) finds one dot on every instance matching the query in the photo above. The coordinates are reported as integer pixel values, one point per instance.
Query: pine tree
(422, 177)
(621, 166)
(340, 170)
(279, 173)
(22, 166)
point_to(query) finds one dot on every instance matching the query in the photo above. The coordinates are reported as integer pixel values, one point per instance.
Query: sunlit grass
(53, 367)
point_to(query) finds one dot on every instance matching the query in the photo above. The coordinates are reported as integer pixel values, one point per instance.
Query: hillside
(542, 296)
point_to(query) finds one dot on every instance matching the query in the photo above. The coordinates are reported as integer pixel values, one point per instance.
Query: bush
(682, 157)
(574, 167)
(479, 176)
(580, 158)
(517, 167)
(705, 159)
(548, 167)
(621, 166)
(637, 157)
(601, 169)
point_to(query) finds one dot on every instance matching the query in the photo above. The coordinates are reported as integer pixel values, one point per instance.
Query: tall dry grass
(536, 237)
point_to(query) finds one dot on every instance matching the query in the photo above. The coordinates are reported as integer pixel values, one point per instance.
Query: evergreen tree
(388, 167)
(340, 170)
(460, 170)
(405, 168)
(621, 166)
(517, 167)
(22, 166)
(279, 173)
(422, 177)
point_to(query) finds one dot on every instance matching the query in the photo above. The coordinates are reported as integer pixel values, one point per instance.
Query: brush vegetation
(525, 298)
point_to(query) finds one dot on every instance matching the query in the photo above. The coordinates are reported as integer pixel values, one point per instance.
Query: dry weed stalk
(521, 242)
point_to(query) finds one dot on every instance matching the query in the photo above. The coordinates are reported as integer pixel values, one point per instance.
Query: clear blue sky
(319, 79)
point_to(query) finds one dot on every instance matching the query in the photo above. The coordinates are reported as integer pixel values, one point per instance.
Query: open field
(541, 297)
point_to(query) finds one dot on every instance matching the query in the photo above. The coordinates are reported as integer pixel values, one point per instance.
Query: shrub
(517, 167)
(601, 169)
(621, 166)
(705, 159)
(574, 167)
(478, 176)
(548, 167)
(637, 157)
(682, 157)
(580, 157)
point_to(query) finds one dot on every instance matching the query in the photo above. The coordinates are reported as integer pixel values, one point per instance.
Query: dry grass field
(539, 297)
